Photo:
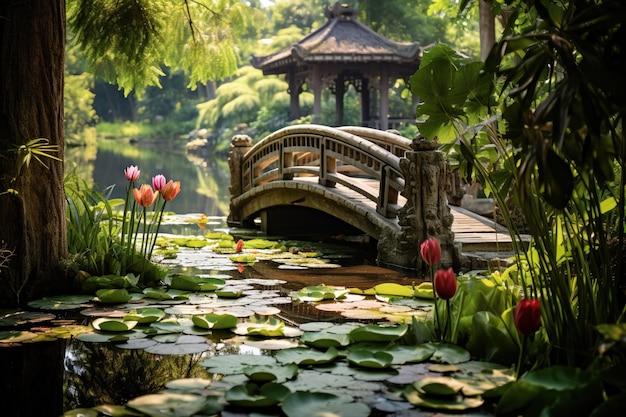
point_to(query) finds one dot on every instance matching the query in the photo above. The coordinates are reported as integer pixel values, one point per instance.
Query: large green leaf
(253, 395)
(215, 321)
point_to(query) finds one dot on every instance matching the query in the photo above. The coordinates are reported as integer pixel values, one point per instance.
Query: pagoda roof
(341, 40)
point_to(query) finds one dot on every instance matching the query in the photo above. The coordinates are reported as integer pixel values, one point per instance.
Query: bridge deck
(476, 233)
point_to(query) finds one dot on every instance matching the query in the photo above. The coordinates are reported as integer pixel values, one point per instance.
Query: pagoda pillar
(316, 86)
(294, 95)
(383, 117)
(340, 90)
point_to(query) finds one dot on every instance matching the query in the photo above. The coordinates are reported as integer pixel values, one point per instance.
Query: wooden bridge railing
(414, 169)
(329, 153)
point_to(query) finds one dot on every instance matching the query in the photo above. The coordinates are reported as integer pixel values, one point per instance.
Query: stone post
(426, 212)
(239, 146)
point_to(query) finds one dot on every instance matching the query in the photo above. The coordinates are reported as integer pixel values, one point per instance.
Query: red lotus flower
(170, 190)
(431, 251)
(158, 182)
(132, 173)
(144, 196)
(445, 283)
(239, 246)
(527, 316)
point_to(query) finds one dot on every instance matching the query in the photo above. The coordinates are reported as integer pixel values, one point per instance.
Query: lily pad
(452, 403)
(306, 356)
(378, 333)
(325, 339)
(62, 302)
(394, 289)
(16, 336)
(215, 321)
(113, 296)
(113, 325)
(170, 404)
(145, 315)
(369, 359)
(271, 373)
(300, 404)
(251, 395)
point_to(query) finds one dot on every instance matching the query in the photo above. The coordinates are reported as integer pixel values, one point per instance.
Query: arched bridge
(389, 187)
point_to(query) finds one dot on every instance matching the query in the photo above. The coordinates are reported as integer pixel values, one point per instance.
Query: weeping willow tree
(127, 42)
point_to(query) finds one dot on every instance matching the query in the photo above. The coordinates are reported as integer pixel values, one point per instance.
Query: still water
(98, 373)
(204, 178)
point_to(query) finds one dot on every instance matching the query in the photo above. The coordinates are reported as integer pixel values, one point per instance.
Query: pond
(330, 293)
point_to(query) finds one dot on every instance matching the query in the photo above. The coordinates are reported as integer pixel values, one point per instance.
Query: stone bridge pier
(425, 214)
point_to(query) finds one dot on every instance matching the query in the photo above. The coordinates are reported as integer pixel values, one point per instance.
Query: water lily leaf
(165, 294)
(18, 318)
(251, 395)
(169, 404)
(215, 321)
(113, 296)
(177, 348)
(113, 325)
(300, 404)
(306, 356)
(115, 411)
(410, 353)
(260, 244)
(449, 353)
(325, 339)
(451, 403)
(195, 243)
(229, 294)
(137, 344)
(184, 283)
(316, 326)
(235, 364)
(272, 327)
(145, 315)
(164, 327)
(369, 359)
(441, 386)
(391, 288)
(16, 336)
(188, 384)
(267, 373)
(62, 302)
(242, 259)
(424, 290)
(378, 333)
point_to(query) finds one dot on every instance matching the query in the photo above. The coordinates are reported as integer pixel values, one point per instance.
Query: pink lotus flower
(158, 182)
(132, 173)
(431, 251)
(239, 246)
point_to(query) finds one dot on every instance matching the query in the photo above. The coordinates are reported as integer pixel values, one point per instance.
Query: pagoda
(340, 53)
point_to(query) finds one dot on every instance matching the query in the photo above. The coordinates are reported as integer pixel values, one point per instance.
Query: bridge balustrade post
(239, 146)
(426, 212)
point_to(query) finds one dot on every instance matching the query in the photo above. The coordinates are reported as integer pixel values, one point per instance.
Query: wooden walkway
(477, 233)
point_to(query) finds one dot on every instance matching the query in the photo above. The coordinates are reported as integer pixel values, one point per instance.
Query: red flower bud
(431, 251)
(527, 316)
(445, 283)
(239, 246)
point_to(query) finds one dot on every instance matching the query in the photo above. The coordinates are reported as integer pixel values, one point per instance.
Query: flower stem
(521, 356)
(436, 320)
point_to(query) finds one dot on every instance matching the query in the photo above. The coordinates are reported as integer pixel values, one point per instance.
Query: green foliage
(128, 41)
(548, 146)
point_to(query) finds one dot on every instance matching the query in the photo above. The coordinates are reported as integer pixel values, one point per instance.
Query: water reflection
(204, 180)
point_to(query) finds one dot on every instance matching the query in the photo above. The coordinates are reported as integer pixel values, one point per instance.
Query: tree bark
(32, 217)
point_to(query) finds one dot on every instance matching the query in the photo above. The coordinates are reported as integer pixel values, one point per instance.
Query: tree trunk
(487, 26)
(32, 215)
